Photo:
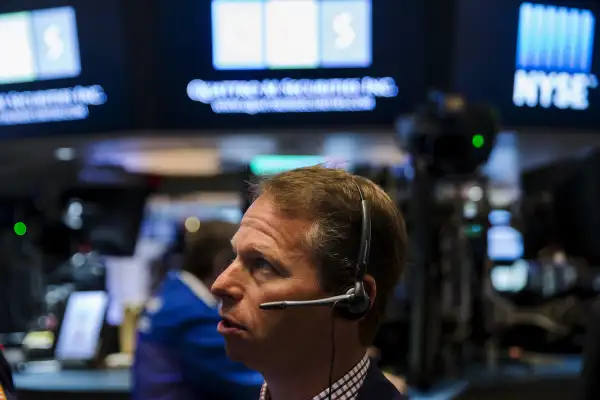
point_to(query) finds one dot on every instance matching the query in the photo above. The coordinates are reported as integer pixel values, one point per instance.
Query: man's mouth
(227, 325)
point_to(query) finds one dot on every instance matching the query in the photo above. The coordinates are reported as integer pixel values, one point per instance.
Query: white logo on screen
(55, 46)
(342, 26)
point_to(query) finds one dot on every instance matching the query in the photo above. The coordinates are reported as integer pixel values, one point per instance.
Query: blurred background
(124, 124)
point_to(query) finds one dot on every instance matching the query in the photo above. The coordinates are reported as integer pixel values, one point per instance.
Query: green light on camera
(20, 228)
(478, 141)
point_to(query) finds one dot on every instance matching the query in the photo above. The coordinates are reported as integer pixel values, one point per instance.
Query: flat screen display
(39, 45)
(251, 63)
(61, 67)
(537, 61)
(81, 327)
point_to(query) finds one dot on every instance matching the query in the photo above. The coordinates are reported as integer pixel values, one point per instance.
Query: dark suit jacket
(589, 388)
(377, 387)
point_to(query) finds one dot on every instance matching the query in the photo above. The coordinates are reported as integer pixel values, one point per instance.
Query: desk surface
(554, 368)
(117, 381)
(503, 378)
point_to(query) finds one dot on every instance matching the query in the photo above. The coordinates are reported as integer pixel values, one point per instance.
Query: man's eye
(261, 263)
(263, 267)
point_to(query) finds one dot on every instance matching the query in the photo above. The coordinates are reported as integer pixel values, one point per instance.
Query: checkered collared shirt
(346, 388)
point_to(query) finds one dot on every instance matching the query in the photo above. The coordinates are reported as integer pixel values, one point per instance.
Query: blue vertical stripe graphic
(548, 23)
(561, 39)
(554, 38)
(587, 44)
(573, 39)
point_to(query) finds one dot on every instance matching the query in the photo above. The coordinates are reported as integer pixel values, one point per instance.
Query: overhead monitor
(61, 67)
(537, 61)
(292, 34)
(555, 46)
(39, 45)
(241, 63)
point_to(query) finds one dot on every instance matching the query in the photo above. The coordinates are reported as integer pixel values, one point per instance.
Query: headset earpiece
(356, 307)
(358, 303)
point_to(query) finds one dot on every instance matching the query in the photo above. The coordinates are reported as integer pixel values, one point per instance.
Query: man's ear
(371, 289)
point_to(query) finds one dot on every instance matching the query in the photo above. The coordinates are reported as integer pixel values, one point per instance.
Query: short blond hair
(330, 199)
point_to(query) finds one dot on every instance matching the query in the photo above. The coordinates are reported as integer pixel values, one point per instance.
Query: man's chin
(243, 353)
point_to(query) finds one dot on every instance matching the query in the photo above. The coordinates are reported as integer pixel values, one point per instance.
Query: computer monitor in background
(109, 217)
(577, 211)
(537, 214)
(560, 207)
(79, 333)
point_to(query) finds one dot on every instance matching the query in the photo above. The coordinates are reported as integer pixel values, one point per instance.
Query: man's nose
(228, 285)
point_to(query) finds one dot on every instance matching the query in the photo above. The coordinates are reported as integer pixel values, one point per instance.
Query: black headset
(355, 303)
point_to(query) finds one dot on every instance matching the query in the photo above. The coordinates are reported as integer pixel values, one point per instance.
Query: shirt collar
(198, 288)
(345, 388)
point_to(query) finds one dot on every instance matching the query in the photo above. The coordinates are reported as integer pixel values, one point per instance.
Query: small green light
(20, 228)
(473, 230)
(478, 141)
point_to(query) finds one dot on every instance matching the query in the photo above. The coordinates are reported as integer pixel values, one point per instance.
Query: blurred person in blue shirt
(179, 354)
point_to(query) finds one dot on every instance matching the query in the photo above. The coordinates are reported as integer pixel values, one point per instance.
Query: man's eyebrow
(263, 251)
(257, 249)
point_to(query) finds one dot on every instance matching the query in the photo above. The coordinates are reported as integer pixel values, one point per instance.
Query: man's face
(271, 265)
